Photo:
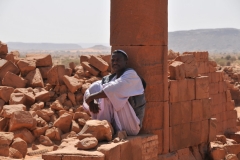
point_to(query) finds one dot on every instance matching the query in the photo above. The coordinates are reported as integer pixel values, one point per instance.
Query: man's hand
(93, 107)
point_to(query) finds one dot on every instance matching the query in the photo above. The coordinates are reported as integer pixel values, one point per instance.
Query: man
(110, 98)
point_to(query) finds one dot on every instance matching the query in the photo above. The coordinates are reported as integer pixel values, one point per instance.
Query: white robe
(116, 107)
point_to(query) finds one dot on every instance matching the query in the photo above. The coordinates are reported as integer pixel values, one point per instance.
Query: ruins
(190, 103)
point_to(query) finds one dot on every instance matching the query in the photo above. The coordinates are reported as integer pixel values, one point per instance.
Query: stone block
(44, 71)
(72, 83)
(197, 110)
(196, 133)
(6, 66)
(199, 56)
(8, 110)
(206, 103)
(24, 134)
(204, 131)
(111, 151)
(28, 92)
(42, 96)
(213, 88)
(55, 75)
(3, 48)
(202, 87)
(17, 98)
(201, 67)
(84, 58)
(230, 105)
(139, 28)
(94, 71)
(21, 119)
(5, 92)
(177, 70)
(98, 63)
(212, 129)
(34, 79)
(13, 80)
(228, 96)
(42, 60)
(26, 66)
(168, 156)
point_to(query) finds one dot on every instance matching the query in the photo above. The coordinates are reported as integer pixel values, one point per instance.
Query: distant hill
(42, 46)
(100, 47)
(212, 40)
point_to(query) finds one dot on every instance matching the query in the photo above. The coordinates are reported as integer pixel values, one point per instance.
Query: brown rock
(34, 79)
(44, 71)
(43, 115)
(26, 66)
(202, 87)
(5, 92)
(5, 140)
(71, 96)
(221, 138)
(56, 105)
(21, 119)
(20, 145)
(75, 127)
(72, 83)
(24, 134)
(85, 86)
(37, 106)
(42, 60)
(2, 103)
(79, 98)
(4, 124)
(3, 48)
(34, 147)
(44, 140)
(81, 121)
(231, 157)
(90, 68)
(98, 63)
(87, 143)
(43, 96)
(82, 115)
(6, 66)
(103, 74)
(84, 58)
(64, 122)
(55, 147)
(54, 133)
(8, 110)
(63, 89)
(99, 129)
(68, 71)
(217, 150)
(13, 153)
(17, 98)
(176, 70)
(13, 80)
(55, 75)
(28, 92)
(72, 65)
(39, 131)
(67, 104)
(68, 135)
(190, 66)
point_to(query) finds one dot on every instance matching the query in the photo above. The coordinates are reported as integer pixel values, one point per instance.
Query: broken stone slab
(217, 150)
(34, 79)
(39, 131)
(20, 145)
(64, 122)
(90, 68)
(8, 110)
(13, 80)
(54, 133)
(72, 83)
(24, 134)
(84, 58)
(13, 153)
(68, 71)
(99, 63)
(82, 115)
(56, 105)
(42, 60)
(55, 75)
(6, 66)
(44, 140)
(37, 106)
(3, 48)
(176, 70)
(26, 66)
(75, 127)
(85, 86)
(71, 96)
(44, 71)
(21, 119)
(4, 124)
(5, 140)
(99, 129)
(43, 96)
(87, 143)
(17, 98)
(5, 92)
(29, 94)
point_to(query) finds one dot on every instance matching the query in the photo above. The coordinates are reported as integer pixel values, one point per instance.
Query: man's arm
(94, 108)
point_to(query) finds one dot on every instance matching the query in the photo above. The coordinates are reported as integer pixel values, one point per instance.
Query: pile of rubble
(42, 103)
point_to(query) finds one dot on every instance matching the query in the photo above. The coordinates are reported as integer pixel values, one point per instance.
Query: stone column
(140, 27)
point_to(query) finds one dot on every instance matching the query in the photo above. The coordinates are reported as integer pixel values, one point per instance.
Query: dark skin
(119, 64)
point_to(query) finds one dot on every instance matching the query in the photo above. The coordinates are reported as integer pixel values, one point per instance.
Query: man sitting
(118, 98)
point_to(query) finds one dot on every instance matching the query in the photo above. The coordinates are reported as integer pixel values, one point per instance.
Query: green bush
(228, 57)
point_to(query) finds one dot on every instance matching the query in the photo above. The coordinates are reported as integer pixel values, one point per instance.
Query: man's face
(118, 62)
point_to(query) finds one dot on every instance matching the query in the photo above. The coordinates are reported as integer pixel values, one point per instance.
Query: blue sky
(88, 21)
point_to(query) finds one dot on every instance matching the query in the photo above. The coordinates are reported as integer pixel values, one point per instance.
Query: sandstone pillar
(140, 28)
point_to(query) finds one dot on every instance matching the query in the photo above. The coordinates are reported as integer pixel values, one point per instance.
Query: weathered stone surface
(43, 115)
(26, 66)
(72, 98)
(38, 131)
(5, 140)
(85, 86)
(21, 119)
(56, 105)
(134, 32)
(13, 153)
(202, 87)
(3, 48)
(34, 79)
(17, 98)
(24, 134)
(64, 122)
(43, 96)
(28, 92)
(87, 143)
(44, 140)
(5, 92)
(44, 71)
(20, 145)
(42, 60)
(176, 70)
(90, 68)
(4, 124)
(6, 66)
(37, 106)
(84, 58)
(75, 127)
(82, 115)
(98, 63)
(55, 75)
(72, 83)
(99, 129)
(54, 133)
(13, 80)
(8, 110)
(217, 150)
